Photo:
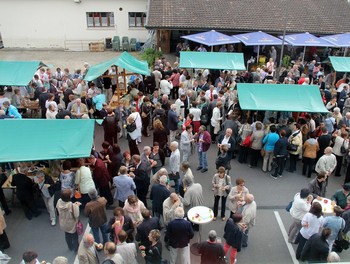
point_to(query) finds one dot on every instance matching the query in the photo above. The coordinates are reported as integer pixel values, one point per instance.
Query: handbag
(167, 151)
(246, 142)
(343, 150)
(343, 240)
(226, 183)
(173, 176)
(77, 194)
(131, 127)
(262, 152)
(289, 206)
(79, 225)
(80, 228)
(292, 147)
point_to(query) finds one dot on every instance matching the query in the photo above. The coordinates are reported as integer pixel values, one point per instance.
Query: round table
(327, 205)
(199, 215)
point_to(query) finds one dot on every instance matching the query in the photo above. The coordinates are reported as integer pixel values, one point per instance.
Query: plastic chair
(133, 44)
(116, 43)
(125, 43)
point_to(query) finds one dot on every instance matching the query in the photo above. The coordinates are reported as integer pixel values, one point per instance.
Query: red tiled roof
(314, 16)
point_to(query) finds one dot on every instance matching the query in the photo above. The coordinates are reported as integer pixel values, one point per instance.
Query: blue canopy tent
(306, 40)
(258, 39)
(339, 40)
(211, 38)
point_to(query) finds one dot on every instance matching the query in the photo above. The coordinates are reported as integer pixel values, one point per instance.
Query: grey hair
(175, 144)
(179, 213)
(163, 179)
(188, 181)
(93, 194)
(333, 257)
(212, 235)
(173, 106)
(163, 171)
(336, 110)
(146, 148)
(39, 173)
(60, 260)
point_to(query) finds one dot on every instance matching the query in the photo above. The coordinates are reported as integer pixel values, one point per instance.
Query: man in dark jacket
(25, 186)
(211, 251)
(178, 235)
(172, 122)
(101, 178)
(149, 223)
(159, 193)
(95, 210)
(43, 97)
(316, 248)
(141, 178)
(204, 141)
(317, 186)
(280, 152)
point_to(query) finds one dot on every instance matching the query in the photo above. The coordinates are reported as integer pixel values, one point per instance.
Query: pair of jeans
(96, 233)
(216, 205)
(280, 165)
(293, 162)
(72, 241)
(255, 157)
(267, 162)
(308, 165)
(233, 253)
(203, 159)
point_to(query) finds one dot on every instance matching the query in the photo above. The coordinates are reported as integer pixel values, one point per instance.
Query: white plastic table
(199, 215)
(327, 205)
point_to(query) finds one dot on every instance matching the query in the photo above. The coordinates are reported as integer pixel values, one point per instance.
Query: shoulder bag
(79, 225)
(226, 183)
(292, 147)
(343, 150)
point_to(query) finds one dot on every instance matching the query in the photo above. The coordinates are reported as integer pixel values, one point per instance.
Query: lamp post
(284, 35)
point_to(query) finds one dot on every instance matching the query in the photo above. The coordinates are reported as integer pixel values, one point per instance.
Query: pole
(257, 59)
(284, 35)
(304, 55)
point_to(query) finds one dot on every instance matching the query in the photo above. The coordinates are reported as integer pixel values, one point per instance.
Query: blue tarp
(211, 38)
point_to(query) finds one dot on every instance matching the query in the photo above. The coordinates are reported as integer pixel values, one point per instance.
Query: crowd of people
(186, 113)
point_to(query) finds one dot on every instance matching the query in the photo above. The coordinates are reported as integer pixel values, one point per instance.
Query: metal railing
(79, 44)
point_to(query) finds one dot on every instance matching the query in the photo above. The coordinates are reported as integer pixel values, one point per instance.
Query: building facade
(70, 24)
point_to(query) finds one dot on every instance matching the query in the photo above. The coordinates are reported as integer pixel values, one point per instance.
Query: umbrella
(258, 39)
(306, 39)
(339, 40)
(211, 38)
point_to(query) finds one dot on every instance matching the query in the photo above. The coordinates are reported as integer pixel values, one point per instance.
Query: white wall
(55, 23)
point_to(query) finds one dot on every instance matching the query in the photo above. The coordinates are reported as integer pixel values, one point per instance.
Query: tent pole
(304, 54)
(212, 48)
(118, 87)
(124, 76)
(257, 59)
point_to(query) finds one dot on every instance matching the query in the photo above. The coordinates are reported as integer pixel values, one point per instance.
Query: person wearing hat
(340, 196)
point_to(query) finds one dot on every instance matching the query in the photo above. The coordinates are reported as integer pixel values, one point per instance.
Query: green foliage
(286, 61)
(150, 55)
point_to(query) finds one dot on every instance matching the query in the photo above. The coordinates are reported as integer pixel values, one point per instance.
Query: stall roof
(211, 38)
(280, 97)
(45, 139)
(18, 73)
(124, 60)
(340, 64)
(212, 60)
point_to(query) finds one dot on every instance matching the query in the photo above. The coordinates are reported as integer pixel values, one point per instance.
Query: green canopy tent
(18, 73)
(280, 97)
(45, 139)
(340, 64)
(124, 60)
(212, 60)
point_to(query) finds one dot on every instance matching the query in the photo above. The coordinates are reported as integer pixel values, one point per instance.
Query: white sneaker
(53, 222)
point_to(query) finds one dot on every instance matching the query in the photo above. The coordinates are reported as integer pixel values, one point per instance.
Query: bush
(150, 55)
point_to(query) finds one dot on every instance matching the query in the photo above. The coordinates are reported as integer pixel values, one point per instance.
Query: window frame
(134, 16)
(97, 20)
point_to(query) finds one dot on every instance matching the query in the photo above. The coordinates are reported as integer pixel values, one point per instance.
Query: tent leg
(212, 48)
(304, 54)
(257, 58)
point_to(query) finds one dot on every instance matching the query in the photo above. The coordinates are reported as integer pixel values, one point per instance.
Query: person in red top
(175, 79)
(101, 178)
(204, 141)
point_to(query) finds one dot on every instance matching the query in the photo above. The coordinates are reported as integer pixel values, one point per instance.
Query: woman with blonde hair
(132, 208)
(159, 133)
(221, 186)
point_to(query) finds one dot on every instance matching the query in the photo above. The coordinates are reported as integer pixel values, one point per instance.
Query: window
(137, 19)
(100, 19)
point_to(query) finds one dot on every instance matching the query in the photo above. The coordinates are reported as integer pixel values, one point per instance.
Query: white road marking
(285, 237)
(87, 231)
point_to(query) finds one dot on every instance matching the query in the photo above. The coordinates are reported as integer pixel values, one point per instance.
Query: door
(1, 44)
